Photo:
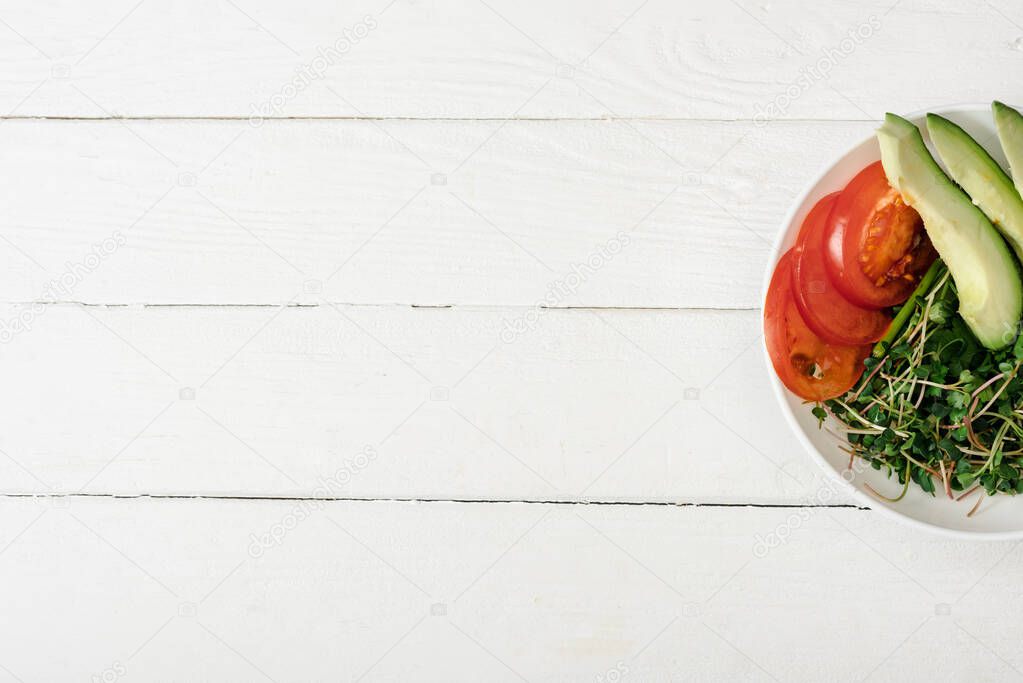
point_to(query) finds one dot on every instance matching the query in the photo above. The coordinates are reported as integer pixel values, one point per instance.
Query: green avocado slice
(990, 291)
(975, 171)
(1009, 123)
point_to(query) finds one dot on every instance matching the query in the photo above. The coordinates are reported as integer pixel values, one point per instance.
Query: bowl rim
(781, 393)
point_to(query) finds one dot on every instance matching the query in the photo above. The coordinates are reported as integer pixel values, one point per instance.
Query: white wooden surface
(488, 284)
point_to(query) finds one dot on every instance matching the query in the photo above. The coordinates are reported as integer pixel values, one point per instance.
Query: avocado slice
(975, 171)
(1010, 131)
(990, 292)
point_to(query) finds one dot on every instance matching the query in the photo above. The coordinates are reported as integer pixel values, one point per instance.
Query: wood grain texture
(393, 286)
(412, 212)
(669, 406)
(445, 58)
(453, 592)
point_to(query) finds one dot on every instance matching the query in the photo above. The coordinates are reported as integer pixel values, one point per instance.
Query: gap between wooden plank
(454, 119)
(460, 501)
(471, 307)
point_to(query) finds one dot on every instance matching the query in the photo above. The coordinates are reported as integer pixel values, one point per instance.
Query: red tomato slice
(876, 246)
(810, 367)
(824, 308)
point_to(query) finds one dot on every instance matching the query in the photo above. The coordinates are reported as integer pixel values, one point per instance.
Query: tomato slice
(877, 248)
(810, 367)
(824, 308)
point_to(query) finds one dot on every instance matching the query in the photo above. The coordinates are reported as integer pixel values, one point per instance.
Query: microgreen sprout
(934, 406)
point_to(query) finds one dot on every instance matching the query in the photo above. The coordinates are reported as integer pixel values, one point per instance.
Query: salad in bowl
(892, 319)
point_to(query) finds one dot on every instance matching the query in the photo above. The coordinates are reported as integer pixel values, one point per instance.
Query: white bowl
(999, 517)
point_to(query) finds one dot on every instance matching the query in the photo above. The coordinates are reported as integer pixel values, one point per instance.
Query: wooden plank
(447, 591)
(435, 213)
(443, 58)
(398, 402)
